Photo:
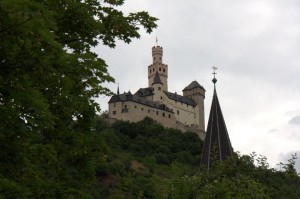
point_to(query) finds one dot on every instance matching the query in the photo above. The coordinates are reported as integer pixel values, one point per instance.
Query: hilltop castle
(184, 112)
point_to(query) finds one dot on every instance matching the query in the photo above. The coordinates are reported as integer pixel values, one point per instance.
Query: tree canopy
(49, 76)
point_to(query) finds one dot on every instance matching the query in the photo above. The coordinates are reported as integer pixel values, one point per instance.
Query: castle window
(159, 58)
(169, 116)
(159, 69)
(163, 114)
(159, 88)
(153, 69)
(115, 104)
(164, 70)
(114, 112)
(142, 109)
(150, 70)
(148, 111)
(177, 112)
(161, 97)
(134, 106)
(125, 106)
(156, 112)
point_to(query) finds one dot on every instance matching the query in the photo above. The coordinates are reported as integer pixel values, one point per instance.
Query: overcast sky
(256, 46)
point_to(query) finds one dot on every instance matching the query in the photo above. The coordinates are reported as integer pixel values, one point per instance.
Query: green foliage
(49, 77)
(146, 138)
(165, 159)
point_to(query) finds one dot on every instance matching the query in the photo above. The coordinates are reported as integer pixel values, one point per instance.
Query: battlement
(157, 47)
(157, 50)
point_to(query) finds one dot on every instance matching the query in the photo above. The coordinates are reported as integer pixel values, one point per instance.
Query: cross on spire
(214, 80)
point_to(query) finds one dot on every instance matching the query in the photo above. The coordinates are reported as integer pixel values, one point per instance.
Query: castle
(184, 112)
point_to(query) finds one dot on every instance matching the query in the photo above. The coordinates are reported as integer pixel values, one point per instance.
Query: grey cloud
(295, 120)
(272, 131)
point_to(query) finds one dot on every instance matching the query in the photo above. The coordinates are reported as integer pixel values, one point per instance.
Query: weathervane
(214, 73)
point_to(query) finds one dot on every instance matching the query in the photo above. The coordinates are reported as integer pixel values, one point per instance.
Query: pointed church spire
(118, 91)
(217, 145)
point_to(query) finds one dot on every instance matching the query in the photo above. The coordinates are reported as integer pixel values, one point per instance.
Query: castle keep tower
(158, 67)
(196, 92)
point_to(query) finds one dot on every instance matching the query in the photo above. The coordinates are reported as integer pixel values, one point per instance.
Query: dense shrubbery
(149, 161)
(146, 138)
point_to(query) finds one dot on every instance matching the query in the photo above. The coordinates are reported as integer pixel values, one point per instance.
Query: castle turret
(158, 67)
(196, 92)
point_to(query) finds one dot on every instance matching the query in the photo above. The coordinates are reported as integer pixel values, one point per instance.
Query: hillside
(146, 160)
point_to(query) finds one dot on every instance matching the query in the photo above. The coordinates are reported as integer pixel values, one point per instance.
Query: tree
(49, 76)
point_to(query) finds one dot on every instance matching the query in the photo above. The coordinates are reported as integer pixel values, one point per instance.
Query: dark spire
(217, 145)
(118, 91)
(157, 79)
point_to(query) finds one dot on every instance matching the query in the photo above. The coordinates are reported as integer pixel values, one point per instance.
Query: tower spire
(217, 145)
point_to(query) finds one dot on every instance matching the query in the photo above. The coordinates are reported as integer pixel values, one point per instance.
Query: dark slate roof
(114, 98)
(180, 98)
(157, 79)
(192, 85)
(144, 92)
(217, 138)
(141, 100)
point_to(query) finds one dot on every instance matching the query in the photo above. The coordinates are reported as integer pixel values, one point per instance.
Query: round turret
(157, 53)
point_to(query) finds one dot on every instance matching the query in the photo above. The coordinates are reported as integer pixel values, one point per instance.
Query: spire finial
(214, 80)
(156, 41)
(118, 91)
